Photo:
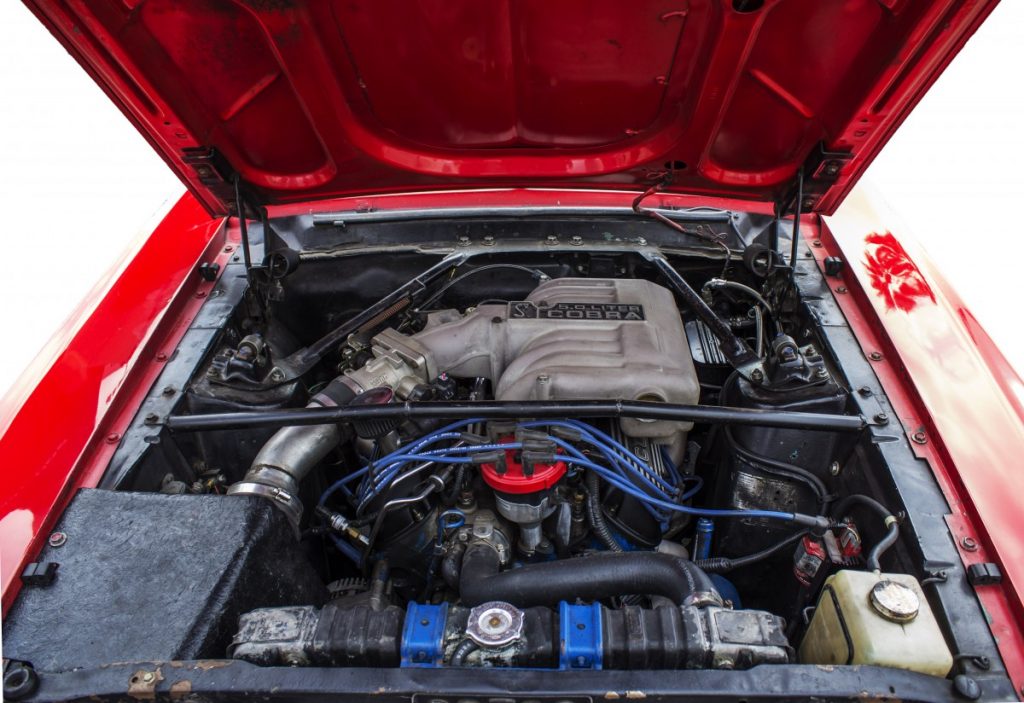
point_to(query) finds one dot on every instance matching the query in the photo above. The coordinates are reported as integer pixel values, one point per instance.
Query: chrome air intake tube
(288, 456)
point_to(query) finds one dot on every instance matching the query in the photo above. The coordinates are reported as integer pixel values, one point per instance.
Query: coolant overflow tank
(878, 619)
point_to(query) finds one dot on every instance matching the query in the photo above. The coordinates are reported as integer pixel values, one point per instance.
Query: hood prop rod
(243, 227)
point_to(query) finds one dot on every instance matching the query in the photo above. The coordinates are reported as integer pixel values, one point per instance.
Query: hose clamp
(702, 599)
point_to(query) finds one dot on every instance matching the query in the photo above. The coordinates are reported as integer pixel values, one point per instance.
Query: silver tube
(285, 460)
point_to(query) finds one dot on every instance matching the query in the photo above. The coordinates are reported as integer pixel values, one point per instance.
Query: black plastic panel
(150, 576)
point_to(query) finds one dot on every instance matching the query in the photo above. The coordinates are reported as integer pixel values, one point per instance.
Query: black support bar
(536, 409)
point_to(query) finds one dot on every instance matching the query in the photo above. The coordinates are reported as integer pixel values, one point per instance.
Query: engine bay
(586, 452)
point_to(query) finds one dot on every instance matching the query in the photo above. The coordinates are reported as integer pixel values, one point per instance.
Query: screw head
(149, 677)
(113, 438)
(834, 468)
(168, 390)
(201, 294)
(841, 289)
(551, 239)
(882, 419)
(816, 243)
(58, 539)
(161, 356)
(463, 241)
(875, 356)
(757, 375)
(488, 241)
(969, 543)
(919, 437)
(864, 391)
(576, 240)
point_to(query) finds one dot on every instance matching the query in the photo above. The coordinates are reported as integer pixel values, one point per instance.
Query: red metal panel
(60, 423)
(957, 397)
(322, 99)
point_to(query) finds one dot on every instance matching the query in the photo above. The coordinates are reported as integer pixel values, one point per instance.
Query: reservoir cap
(895, 601)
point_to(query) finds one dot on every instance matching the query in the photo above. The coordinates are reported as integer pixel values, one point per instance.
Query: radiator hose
(593, 577)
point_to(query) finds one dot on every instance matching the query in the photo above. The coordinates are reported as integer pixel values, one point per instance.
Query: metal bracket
(821, 170)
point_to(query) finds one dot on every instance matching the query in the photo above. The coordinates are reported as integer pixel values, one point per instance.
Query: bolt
(832, 169)
(834, 468)
(757, 375)
(816, 243)
(841, 289)
(161, 356)
(229, 248)
(201, 294)
(821, 373)
(882, 419)
(424, 622)
(152, 419)
(920, 437)
(576, 240)
(969, 544)
(864, 391)
(113, 438)
(488, 241)
(875, 356)
(581, 626)
(149, 677)
(551, 240)
(168, 390)
(57, 539)
(463, 241)
(276, 375)
(581, 661)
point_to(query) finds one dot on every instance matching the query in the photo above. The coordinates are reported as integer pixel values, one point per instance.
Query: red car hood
(314, 99)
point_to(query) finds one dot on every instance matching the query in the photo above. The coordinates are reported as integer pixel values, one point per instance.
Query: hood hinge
(821, 170)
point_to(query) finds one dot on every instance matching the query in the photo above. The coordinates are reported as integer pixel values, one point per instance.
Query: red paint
(894, 277)
(61, 422)
(323, 99)
(945, 376)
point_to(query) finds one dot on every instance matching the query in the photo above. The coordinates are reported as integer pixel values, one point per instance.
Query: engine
(540, 539)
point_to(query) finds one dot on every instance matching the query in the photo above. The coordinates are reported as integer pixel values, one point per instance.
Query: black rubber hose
(463, 650)
(589, 578)
(595, 516)
(720, 565)
(451, 565)
(892, 525)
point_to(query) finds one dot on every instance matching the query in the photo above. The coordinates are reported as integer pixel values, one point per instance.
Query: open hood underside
(308, 100)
